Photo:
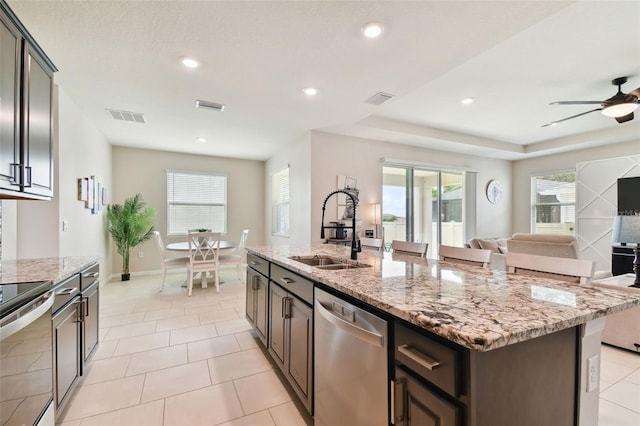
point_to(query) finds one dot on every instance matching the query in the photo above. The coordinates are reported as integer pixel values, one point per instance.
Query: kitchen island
(522, 345)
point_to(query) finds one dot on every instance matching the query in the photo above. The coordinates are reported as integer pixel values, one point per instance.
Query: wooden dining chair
(237, 255)
(577, 271)
(204, 249)
(371, 243)
(465, 255)
(168, 262)
(409, 248)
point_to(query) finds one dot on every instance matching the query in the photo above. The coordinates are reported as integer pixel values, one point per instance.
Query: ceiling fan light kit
(620, 106)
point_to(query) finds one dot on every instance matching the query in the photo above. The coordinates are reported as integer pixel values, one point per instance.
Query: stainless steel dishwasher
(351, 368)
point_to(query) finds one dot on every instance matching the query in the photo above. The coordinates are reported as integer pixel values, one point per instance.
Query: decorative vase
(125, 277)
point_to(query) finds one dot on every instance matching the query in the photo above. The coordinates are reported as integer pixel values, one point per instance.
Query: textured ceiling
(514, 57)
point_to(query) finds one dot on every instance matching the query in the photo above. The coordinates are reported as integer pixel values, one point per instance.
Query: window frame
(224, 204)
(280, 204)
(534, 204)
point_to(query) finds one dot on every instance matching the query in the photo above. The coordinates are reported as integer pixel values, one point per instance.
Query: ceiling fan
(620, 106)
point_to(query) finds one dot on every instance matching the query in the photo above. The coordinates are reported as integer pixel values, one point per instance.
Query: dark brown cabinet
(416, 405)
(256, 303)
(291, 339)
(26, 129)
(90, 292)
(67, 331)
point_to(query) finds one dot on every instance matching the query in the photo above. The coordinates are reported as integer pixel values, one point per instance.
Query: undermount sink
(327, 262)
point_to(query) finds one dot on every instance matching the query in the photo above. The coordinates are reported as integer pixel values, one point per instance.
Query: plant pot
(125, 277)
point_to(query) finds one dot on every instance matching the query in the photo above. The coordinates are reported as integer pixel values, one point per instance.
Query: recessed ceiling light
(189, 62)
(373, 30)
(201, 140)
(467, 101)
(310, 91)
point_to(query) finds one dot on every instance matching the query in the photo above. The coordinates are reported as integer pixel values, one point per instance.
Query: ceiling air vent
(134, 117)
(210, 105)
(379, 98)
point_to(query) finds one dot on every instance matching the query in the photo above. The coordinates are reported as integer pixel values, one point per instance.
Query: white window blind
(280, 203)
(196, 201)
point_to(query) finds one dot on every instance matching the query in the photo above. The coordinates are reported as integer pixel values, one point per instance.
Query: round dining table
(184, 246)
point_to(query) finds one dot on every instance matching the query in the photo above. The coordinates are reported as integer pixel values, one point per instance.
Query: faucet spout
(355, 244)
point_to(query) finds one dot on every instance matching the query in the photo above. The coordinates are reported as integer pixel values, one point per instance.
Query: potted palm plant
(130, 224)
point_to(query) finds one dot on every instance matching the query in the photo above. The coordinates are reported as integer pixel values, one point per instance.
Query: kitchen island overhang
(477, 308)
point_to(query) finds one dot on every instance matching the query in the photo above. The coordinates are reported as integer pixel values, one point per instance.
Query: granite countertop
(480, 309)
(54, 269)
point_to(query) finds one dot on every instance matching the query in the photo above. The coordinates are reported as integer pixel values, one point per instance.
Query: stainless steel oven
(26, 367)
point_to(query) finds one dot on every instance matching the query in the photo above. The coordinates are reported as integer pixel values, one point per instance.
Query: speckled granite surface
(474, 307)
(54, 269)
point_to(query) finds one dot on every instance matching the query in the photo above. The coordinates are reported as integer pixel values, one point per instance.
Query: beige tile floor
(168, 359)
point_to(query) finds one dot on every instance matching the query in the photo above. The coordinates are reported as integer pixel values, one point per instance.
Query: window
(196, 200)
(553, 199)
(280, 203)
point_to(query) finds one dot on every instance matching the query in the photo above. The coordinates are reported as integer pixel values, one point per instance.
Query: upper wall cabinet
(26, 126)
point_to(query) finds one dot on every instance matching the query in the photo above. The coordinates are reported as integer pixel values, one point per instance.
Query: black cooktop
(15, 295)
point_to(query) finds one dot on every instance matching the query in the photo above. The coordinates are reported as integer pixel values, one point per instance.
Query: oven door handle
(24, 320)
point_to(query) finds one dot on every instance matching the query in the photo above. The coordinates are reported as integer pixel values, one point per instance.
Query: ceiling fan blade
(625, 118)
(635, 93)
(576, 102)
(573, 116)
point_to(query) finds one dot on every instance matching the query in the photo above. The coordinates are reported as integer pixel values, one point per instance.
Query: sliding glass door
(433, 200)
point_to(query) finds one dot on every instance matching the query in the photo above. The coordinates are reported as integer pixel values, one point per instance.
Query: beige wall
(334, 155)
(144, 171)
(297, 156)
(524, 169)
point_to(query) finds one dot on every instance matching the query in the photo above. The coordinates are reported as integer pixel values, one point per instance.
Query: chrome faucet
(355, 244)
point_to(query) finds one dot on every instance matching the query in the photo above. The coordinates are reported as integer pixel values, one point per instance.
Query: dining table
(184, 246)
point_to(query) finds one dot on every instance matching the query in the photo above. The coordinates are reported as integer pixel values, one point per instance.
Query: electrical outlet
(593, 373)
(141, 255)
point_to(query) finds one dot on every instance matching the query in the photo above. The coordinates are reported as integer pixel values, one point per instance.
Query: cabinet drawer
(258, 263)
(296, 284)
(65, 291)
(89, 276)
(437, 363)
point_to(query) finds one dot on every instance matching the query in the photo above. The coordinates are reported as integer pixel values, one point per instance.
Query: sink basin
(328, 263)
(336, 266)
(317, 260)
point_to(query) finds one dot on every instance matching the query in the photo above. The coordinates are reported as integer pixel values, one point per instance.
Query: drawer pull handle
(91, 275)
(66, 291)
(422, 359)
(287, 280)
(254, 263)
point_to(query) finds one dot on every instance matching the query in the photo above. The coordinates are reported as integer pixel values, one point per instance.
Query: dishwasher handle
(351, 328)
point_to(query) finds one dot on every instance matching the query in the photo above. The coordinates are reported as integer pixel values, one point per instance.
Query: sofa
(538, 244)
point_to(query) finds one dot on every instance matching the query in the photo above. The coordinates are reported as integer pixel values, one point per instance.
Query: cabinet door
(90, 302)
(419, 406)
(261, 307)
(299, 366)
(250, 305)
(66, 353)
(277, 324)
(10, 45)
(37, 125)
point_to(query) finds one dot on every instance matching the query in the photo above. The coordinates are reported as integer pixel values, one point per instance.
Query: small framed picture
(82, 189)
